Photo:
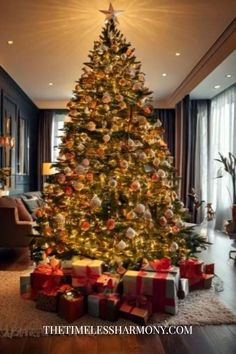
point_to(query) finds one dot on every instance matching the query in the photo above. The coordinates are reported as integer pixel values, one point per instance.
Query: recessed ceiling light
(164, 74)
(177, 54)
(50, 84)
(216, 86)
(228, 75)
(10, 42)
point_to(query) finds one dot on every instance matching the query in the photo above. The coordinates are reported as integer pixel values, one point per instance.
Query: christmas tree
(114, 194)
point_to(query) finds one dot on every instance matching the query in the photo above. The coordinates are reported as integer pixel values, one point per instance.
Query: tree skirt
(20, 317)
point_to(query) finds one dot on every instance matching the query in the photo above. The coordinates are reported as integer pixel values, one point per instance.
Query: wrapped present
(134, 314)
(80, 267)
(203, 282)
(107, 283)
(104, 306)
(161, 286)
(190, 268)
(157, 265)
(209, 268)
(44, 273)
(71, 306)
(183, 288)
(140, 301)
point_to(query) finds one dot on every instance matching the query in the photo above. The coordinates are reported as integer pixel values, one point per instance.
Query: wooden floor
(204, 340)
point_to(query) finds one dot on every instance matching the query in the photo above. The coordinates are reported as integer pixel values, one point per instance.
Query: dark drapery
(167, 117)
(44, 141)
(185, 143)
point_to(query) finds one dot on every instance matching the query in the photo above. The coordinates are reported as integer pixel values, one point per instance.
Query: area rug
(19, 317)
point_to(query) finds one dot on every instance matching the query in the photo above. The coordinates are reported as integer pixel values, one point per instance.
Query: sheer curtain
(222, 138)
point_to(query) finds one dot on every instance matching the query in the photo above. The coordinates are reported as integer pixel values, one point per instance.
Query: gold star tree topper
(111, 13)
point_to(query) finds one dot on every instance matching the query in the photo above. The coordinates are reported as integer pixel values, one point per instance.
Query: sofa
(17, 219)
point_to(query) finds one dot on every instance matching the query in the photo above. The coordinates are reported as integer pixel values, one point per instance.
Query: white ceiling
(206, 89)
(52, 39)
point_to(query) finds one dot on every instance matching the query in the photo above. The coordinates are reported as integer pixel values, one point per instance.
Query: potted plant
(229, 164)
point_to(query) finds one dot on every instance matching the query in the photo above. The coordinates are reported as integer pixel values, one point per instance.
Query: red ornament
(68, 191)
(85, 225)
(110, 224)
(61, 178)
(155, 177)
(148, 109)
(89, 176)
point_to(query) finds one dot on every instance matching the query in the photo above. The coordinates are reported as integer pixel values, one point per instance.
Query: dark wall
(14, 103)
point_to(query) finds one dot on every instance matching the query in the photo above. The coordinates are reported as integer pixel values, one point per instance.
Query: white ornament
(142, 156)
(161, 173)
(147, 215)
(165, 164)
(140, 209)
(174, 247)
(95, 202)
(121, 245)
(156, 162)
(60, 219)
(171, 159)
(169, 214)
(124, 164)
(130, 233)
(81, 147)
(68, 171)
(85, 162)
(80, 169)
(106, 138)
(91, 126)
(158, 123)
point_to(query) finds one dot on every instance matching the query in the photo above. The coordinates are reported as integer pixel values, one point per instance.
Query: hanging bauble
(93, 104)
(95, 202)
(174, 247)
(112, 183)
(89, 176)
(135, 186)
(137, 86)
(61, 178)
(68, 171)
(106, 98)
(131, 215)
(121, 245)
(165, 164)
(175, 229)
(147, 215)
(100, 74)
(119, 98)
(161, 173)
(81, 147)
(140, 209)
(106, 138)
(123, 56)
(156, 162)
(110, 224)
(141, 77)
(106, 107)
(85, 162)
(162, 221)
(69, 155)
(142, 156)
(68, 191)
(148, 109)
(169, 214)
(124, 164)
(78, 186)
(174, 195)
(91, 126)
(129, 52)
(84, 225)
(155, 177)
(122, 82)
(130, 233)
(60, 219)
(158, 123)
(170, 159)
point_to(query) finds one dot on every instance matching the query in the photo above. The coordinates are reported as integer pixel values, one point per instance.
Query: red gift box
(109, 307)
(157, 265)
(44, 273)
(209, 268)
(134, 314)
(71, 307)
(190, 268)
(203, 282)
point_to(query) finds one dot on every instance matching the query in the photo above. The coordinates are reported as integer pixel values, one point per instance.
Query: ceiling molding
(219, 51)
(51, 104)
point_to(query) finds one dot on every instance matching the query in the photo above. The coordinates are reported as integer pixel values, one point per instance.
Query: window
(57, 132)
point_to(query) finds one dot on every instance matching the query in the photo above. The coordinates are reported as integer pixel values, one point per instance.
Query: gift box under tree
(44, 273)
(71, 306)
(134, 314)
(85, 274)
(161, 286)
(104, 306)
